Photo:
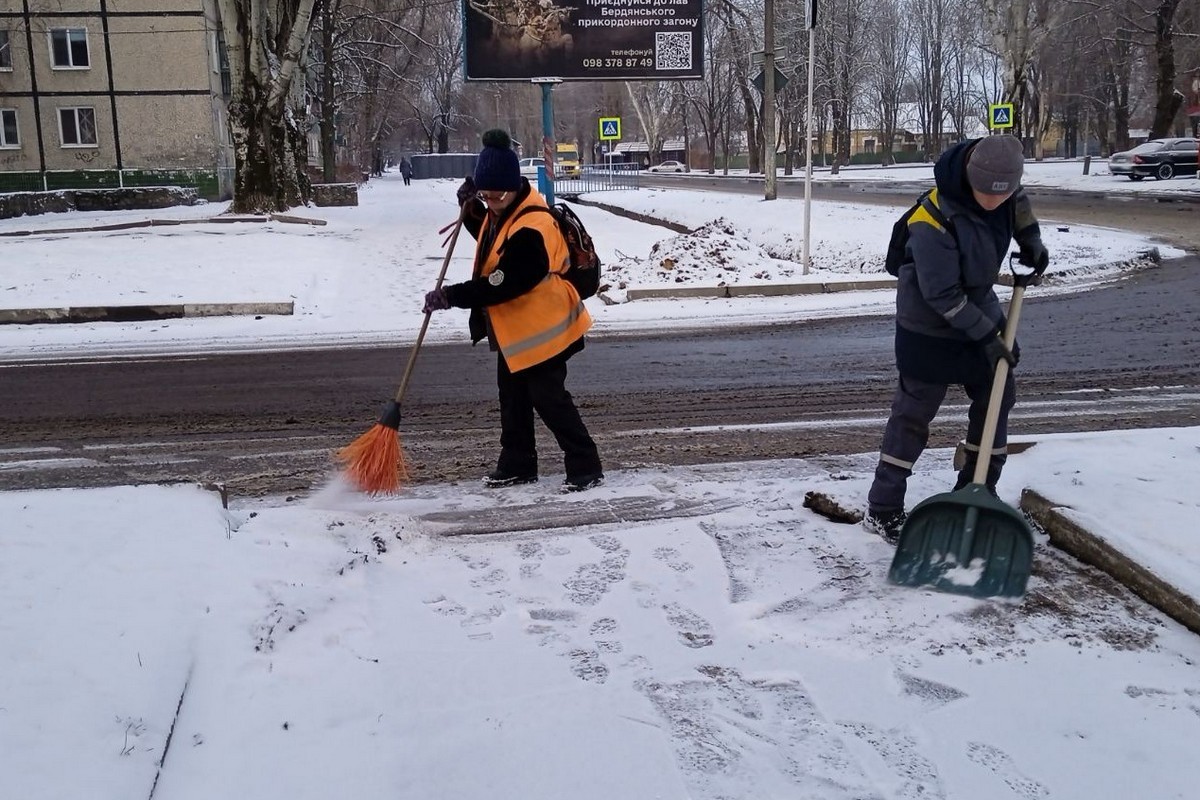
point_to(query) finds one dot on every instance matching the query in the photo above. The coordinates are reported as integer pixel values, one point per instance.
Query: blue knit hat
(497, 168)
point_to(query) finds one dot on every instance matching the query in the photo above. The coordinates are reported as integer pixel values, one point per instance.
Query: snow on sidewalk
(345, 646)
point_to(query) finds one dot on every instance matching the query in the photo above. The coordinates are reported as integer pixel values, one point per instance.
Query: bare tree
(890, 44)
(651, 101)
(712, 96)
(434, 102)
(267, 43)
(846, 22)
(1019, 31)
(933, 22)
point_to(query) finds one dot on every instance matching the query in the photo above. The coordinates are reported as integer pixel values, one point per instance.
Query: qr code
(673, 50)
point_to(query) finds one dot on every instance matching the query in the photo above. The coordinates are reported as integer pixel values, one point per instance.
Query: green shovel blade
(965, 542)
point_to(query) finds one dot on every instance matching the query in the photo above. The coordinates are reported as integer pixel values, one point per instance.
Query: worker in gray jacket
(948, 319)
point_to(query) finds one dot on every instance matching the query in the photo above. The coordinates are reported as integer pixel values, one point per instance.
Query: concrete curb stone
(139, 313)
(1093, 549)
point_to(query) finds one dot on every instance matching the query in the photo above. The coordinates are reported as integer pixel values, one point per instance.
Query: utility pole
(810, 22)
(769, 98)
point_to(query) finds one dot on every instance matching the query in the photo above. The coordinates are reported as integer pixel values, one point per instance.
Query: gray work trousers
(914, 406)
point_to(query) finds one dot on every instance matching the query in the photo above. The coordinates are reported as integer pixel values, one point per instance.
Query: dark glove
(466, 191)
(995, 349)
(1035, 256)
(436, 301)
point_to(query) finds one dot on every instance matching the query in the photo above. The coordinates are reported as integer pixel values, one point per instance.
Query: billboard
(583, 39)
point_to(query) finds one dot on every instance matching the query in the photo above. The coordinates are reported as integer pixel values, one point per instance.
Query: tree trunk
(1167, 99)
(328, 127)
(266, 49)
(271, 153)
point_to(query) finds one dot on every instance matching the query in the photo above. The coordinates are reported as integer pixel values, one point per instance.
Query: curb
(1092, 549)
(772, 290)
(142, 313)
(155, 223)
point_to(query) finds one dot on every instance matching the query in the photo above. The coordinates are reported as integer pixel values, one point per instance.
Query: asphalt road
(1123, 356)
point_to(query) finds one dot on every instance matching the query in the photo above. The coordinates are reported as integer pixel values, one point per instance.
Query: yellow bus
(566, 160)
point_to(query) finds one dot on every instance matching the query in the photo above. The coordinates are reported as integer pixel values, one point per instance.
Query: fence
(208, 183)
(599, 178)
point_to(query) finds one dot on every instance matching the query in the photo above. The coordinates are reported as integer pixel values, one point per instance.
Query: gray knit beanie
(995, 164)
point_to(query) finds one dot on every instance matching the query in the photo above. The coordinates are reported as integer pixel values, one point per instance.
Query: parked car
(529, 166)
(668, 166)
(1162, 158)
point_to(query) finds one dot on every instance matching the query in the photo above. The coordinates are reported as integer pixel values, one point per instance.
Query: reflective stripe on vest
(516, 350)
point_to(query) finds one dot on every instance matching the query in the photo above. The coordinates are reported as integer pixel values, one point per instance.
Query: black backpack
(584, 271)
(899, 240)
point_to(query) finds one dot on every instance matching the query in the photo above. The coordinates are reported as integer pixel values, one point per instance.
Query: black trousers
(541, 388)
(914, 406)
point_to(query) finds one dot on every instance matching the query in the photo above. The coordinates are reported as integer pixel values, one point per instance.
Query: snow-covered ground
(738, 646)
(339, 646)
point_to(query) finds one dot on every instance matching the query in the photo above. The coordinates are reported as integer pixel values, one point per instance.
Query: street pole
(769, 98)
(546, 174)
(811, 20)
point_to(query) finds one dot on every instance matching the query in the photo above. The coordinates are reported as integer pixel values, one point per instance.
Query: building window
(77, 127)
(5, 51)
(10, 134)
(868, 145)
(69, 48)
(220, 62)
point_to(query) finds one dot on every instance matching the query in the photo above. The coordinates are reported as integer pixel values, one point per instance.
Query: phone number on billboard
(594, 63)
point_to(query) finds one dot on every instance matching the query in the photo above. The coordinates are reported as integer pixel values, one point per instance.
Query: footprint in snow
(693, 629)
(1001, 763)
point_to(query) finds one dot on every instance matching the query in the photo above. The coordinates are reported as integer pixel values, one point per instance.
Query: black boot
(499, 479)
(886, 524)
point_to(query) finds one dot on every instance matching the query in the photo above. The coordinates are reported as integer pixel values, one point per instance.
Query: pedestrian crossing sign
(1000, 116)
(610, 128)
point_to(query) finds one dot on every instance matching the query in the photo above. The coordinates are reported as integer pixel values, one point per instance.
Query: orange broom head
(374, 462)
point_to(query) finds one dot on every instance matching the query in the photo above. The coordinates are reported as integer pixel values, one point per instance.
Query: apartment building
(103, 93)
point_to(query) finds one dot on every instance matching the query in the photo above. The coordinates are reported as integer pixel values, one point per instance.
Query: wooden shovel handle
(992, 420)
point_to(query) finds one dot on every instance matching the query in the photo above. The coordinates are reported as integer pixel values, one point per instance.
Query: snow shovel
(968, 541)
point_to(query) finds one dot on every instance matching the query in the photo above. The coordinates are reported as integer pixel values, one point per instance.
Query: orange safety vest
(547, 319)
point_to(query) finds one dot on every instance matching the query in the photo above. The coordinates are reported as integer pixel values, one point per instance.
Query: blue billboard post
(546, 173)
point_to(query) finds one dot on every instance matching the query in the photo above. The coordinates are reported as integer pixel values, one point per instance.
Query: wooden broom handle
(412, 357)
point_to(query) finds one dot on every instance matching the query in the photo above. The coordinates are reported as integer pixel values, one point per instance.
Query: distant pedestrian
(948, 319)
(406, 170)
(528, 312)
